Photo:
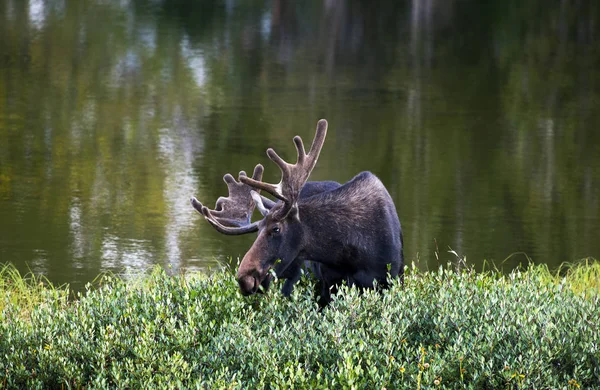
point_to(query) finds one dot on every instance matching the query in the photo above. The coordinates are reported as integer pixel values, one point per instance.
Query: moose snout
(248, 284)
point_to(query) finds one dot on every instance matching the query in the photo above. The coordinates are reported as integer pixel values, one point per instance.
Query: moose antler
(293, 175)
(232, 214)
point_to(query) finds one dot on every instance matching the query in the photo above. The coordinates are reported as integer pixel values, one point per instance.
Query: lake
(481, 118)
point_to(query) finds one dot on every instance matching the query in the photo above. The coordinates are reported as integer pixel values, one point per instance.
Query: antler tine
(273, 189)
(319, 140)
(315, 148)
(232, 213)
(293, 176)
(258, 201)
(231, 231)
(300, 149)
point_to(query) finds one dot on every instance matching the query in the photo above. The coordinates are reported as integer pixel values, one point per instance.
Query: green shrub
(442, 329)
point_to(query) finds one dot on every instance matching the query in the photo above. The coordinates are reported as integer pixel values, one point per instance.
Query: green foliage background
(442, 329)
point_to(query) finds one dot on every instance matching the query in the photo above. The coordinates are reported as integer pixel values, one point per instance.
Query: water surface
(481, 119)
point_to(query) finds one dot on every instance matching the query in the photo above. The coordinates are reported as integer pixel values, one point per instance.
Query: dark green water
(481, 118)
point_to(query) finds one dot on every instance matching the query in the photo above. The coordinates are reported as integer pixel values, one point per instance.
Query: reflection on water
(481, 119)
(125, 254)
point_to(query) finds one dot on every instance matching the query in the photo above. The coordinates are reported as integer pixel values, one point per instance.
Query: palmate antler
(232, 214)
(294, 176)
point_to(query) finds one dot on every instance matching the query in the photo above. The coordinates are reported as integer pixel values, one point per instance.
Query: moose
(343, 233)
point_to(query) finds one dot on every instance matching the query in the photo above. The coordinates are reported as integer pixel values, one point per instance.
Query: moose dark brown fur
(292, 273)
(351, 231)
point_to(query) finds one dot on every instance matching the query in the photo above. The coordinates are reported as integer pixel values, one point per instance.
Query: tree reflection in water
(480, 119)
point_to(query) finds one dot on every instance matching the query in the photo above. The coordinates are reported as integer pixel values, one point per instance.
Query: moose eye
(276, 229)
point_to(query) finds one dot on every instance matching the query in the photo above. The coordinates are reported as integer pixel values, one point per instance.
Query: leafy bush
(442, 329)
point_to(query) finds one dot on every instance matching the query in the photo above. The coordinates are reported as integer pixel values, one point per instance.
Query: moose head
(280, 234)
(280, 231)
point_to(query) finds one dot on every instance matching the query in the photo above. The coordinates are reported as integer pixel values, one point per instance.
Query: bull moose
(348, 232)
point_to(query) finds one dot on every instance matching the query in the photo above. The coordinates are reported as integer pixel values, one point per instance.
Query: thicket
(442, 329)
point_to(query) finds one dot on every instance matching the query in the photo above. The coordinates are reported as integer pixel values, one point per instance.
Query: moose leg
(293, 274)
(325, 296)
(330, 279)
